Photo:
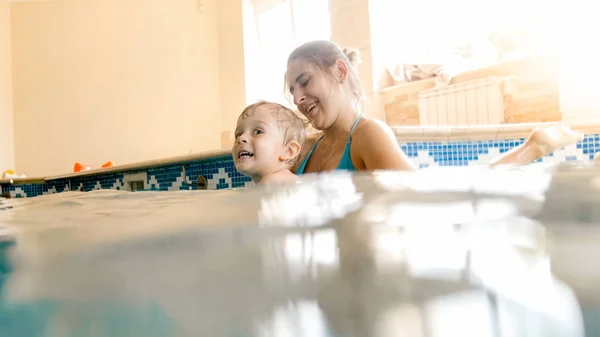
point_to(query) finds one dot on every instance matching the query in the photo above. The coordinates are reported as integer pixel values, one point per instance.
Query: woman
(323, 80)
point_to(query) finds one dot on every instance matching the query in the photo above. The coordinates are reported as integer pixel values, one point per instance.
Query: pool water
(483, 253)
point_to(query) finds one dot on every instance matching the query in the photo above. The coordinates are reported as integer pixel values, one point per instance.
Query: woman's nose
(299, 97)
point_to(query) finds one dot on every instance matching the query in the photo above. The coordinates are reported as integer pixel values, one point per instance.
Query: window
(281, 26)
(474, 33)
(439, 39)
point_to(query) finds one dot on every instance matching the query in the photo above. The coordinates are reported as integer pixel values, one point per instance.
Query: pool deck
(482, 132)
(123, 168)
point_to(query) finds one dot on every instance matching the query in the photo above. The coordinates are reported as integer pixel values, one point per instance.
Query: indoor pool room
(322, 168)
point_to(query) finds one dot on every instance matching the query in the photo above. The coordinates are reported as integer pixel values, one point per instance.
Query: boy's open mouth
(245, 154)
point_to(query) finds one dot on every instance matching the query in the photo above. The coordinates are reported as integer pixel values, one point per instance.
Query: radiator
(474, 102)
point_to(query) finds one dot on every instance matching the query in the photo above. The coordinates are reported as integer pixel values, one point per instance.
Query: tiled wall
(220, 172)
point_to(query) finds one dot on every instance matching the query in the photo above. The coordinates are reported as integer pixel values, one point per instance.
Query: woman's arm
(376, 148)
(541, 142)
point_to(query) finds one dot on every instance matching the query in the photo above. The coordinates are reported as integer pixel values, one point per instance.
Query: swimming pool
(485, 253)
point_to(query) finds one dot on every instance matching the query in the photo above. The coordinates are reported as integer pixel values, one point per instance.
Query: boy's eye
(258, 132)
(306, 82)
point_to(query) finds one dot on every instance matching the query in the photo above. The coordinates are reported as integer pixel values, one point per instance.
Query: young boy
(268, 140)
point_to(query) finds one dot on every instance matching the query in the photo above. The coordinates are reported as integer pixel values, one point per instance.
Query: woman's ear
(342, 70)
(291, 151)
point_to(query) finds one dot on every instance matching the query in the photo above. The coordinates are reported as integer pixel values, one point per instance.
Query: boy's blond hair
(293, 127)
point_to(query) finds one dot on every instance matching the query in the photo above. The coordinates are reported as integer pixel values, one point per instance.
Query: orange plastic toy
(81, 167)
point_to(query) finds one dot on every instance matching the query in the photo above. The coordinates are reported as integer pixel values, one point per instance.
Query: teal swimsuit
(345, 162)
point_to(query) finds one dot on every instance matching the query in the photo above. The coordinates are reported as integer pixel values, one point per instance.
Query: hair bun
(353, 55)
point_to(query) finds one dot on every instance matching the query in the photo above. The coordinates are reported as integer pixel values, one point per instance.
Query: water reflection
(339, 255)
(315, 202)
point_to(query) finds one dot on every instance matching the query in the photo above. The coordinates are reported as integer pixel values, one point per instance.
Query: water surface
(438, 252)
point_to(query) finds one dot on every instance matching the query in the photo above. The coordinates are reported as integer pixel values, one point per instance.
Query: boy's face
(259, 143)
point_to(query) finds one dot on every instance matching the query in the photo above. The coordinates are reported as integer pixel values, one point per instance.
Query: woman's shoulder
(375, 147)
(371, 127)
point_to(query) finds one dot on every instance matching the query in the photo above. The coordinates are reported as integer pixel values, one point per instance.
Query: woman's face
(316, 94)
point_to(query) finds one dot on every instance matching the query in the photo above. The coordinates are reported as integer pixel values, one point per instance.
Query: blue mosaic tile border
(479, 152)
(220, 173)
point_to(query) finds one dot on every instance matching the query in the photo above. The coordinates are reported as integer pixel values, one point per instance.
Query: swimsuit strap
(302, 166)
(345, 160)
(354, 127)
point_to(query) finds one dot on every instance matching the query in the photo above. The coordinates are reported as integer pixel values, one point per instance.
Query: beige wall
(230, 20)
(6, 115)
(120, 80)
